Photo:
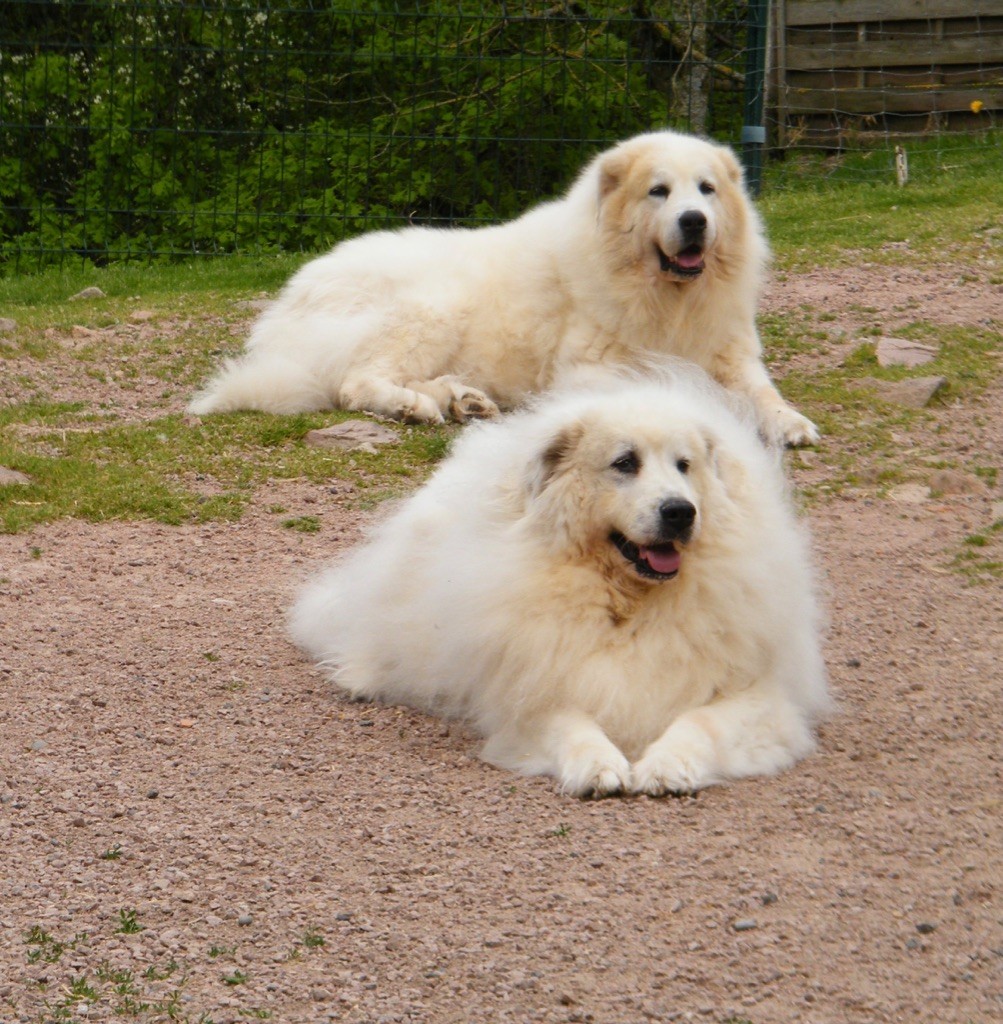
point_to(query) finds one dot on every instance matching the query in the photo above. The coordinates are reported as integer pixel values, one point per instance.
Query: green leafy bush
(176, 128)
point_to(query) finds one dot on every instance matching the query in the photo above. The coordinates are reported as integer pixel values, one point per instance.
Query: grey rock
(352, 435)
(915, 393)
(746, 924)
(900, 352)
(12, 476)
(88, 293)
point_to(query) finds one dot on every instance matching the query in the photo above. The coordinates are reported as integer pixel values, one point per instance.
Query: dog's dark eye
(683, 465)
(707, 188)
(659, 191)
(628, 464)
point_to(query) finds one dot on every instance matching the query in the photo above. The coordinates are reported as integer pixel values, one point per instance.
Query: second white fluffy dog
(611, 587)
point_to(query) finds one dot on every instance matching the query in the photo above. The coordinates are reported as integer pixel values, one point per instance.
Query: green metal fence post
(753, 126)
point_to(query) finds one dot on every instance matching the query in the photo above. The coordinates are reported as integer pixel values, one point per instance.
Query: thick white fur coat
(424, 324)
(495, 594)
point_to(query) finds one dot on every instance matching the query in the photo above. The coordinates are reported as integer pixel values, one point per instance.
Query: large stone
(900, 352)
(915, 393)
(88, 293)
(12, 476)
(351, 435)
(7, 326)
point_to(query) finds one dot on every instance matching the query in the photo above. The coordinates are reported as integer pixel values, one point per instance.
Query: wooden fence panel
(891, 67)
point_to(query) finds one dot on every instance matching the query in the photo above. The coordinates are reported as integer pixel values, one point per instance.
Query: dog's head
(625, 486)
(671, 205)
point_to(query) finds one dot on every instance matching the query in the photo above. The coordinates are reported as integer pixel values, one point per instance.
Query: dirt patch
(196, 827)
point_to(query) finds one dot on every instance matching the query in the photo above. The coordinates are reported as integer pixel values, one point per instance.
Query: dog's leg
(781, 423)
(566, 744)
(456, 399)
(752, 733)
(383, 397)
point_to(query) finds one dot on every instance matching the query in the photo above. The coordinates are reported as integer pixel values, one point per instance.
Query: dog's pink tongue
(663, 560)
(689, 258)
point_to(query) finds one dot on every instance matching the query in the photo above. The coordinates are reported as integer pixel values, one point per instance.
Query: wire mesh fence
(148, 128)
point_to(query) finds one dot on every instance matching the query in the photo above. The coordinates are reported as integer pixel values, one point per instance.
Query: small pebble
(745, 925)
(244, 919)
(925, 927)
(152, 794)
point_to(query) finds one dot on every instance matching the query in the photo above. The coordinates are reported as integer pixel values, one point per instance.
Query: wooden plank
(892, 101)
(875, 53)
(826, 12)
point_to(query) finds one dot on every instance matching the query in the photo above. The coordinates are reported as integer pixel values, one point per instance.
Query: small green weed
(45, 948)
(302, 524)
(235, 978)
(561, 831)
(79, 989)
(153, 973)
(112, 853)
(128, 923)
(981, 555)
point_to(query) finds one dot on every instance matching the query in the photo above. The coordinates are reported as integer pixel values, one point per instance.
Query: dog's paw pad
(472, 404)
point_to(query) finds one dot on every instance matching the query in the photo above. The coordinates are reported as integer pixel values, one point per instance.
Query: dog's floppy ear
(612, 171)
(728, 469)
(731, 165)
(554, 458)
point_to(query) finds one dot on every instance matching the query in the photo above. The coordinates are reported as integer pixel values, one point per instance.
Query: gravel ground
(196, 827)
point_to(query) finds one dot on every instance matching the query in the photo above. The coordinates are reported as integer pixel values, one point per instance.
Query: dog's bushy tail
(268, 383)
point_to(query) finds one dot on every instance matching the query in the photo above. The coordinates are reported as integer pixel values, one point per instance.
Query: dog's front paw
(663, 771)
(418, 408)
(596, 775)
(794, 429)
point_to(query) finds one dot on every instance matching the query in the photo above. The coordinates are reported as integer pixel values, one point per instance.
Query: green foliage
(192, 128)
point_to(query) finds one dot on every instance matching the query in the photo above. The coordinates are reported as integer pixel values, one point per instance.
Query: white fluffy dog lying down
(611, 587)
(655, 250)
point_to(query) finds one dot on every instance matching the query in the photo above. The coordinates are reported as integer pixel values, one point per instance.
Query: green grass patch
(130, 286)
(838, 209)
(980, 557)
(172, 472)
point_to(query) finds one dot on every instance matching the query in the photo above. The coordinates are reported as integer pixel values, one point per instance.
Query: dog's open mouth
(687, 262)
(654, 562)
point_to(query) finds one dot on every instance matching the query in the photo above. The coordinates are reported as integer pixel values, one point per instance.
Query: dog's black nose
(692, 223)
(677, 516)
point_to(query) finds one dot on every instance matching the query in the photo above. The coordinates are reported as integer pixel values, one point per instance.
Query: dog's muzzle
(661, 560)
(689, 260)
